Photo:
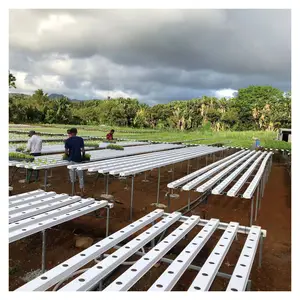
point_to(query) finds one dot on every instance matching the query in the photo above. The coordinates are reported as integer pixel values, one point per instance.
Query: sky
(155, 56)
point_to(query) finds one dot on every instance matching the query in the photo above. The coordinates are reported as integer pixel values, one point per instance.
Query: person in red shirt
(110, 135)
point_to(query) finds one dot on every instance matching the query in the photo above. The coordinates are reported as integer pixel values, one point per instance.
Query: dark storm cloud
(156, 54)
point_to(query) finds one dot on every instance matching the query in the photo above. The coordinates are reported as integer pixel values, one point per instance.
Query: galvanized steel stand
(107, 220)
(43, 251)
(131, 197)
(45, 179)
(158, 184)
(106, 186)
(73, 182)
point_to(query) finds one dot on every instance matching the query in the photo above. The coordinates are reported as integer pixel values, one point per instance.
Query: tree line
(252, 108)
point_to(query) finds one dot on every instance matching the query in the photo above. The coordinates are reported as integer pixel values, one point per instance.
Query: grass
(115, 147)
(227, 138)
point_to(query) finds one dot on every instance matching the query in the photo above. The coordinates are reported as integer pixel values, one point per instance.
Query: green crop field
(227, 138)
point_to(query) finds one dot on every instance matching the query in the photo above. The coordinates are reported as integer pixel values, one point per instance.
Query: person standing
(74, 149)
(34, 147)
(110, 135)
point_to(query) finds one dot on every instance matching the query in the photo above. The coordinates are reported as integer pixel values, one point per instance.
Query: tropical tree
(11, 80)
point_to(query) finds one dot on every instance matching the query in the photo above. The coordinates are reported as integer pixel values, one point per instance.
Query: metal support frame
(198, 201)
(106, 185)
(145, 179)
(104, 267)
(44, 245)
(131, 197)
(45, 179)
(158, 184)
(246, 230)
(100, 287)
(261, 241)
(257, 200)
(173, 170)
(100, 270)
(73, 182)
(189, 200)
(191, 267)
(107, 221)
(43, 251)
(251, 213)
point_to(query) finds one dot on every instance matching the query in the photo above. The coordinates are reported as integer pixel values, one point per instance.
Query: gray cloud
(156, 55)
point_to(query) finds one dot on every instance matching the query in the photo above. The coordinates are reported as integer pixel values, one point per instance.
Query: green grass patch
(115, 147)
(207, 137)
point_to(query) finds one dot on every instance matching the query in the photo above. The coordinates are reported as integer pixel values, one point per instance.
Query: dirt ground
(274, 216)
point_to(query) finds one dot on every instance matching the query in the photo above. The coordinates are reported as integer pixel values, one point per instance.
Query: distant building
(284, 134)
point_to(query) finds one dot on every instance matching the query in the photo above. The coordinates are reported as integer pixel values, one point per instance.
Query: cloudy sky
(154, 55)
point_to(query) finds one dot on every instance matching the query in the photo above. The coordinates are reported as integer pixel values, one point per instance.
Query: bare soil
(274, 216)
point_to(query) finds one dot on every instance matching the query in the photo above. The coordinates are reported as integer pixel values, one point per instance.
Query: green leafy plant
(86, 157)
(91, 144)
(110, 141)
(65, 157)
(20, 157)
(21, 149)
(115, 147)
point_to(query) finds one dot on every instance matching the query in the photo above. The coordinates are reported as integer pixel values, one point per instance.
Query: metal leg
(100, 287)
(206, 160)
(260, 189)
(43, 251)
(45, 179)
(189, 200)
(106, 188)
(153, 241)
(188, 167)
(161, 237)
(260, 250)
(131, 198)
(257, 200)
(173, 169)
(158, 183)
(145, 179)
(251, 214)
(107, 221)
(73, 181)
(169, 200)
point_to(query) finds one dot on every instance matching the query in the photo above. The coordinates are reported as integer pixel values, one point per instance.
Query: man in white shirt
(34, 147)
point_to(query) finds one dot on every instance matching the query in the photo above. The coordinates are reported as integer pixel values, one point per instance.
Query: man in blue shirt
(74, 149)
